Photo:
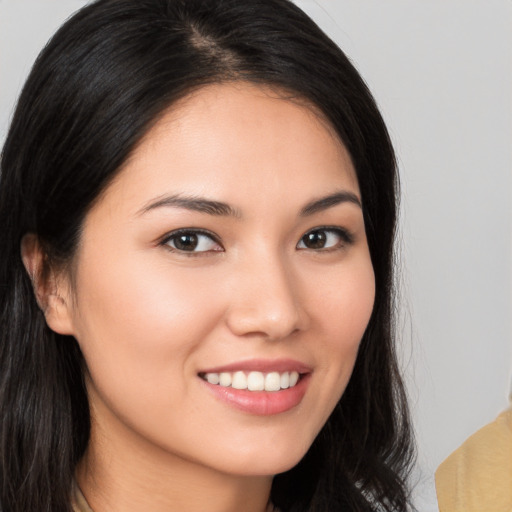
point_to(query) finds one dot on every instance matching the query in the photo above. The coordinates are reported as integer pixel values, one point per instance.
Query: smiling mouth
(253, 381)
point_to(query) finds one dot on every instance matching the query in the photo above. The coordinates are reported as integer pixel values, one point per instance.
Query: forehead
(256, 105)
(239, 138)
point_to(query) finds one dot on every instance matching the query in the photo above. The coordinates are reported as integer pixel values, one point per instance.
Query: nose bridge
(266, 301)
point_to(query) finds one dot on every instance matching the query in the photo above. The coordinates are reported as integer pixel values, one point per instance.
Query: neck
(119, 471)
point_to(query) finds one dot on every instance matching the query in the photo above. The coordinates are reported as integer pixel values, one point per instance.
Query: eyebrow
(218, 208)
(324, 203)
(197, 204)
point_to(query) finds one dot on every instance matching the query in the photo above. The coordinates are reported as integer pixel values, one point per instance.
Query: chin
(269, 461)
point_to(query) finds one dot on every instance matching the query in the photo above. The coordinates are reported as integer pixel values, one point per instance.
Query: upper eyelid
(345, 233)
(346, 239)
(199, 231)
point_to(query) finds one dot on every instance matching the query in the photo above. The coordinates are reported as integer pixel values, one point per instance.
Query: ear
(51, 288)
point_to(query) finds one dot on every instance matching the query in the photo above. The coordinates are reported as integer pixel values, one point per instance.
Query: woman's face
(230, 252)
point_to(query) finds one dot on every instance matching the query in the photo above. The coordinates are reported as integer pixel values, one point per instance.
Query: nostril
(263, 322)
(265, 302)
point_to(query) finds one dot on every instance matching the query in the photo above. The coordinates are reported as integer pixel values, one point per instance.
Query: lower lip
(262, 403)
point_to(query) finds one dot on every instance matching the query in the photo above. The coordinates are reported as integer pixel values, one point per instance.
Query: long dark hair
(95, 90)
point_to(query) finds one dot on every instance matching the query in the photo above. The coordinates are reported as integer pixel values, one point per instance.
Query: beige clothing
(477, 477)
(79, 503)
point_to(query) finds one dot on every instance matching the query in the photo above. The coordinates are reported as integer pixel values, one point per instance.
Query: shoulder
(478, 475)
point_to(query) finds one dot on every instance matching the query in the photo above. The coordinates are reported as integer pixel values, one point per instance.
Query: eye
(193, 241)
(324, 238)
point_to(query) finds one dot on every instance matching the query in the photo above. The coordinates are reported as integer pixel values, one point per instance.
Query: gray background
(442, 74)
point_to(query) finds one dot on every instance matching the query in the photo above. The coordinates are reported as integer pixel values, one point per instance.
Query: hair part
(97, 88)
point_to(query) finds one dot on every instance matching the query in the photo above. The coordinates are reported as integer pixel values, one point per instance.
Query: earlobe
(51, 290)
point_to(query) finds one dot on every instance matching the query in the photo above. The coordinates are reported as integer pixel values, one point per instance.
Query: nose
(265, 300)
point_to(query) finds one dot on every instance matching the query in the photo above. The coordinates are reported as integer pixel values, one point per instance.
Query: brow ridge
(324, 203)
(198, 204)
(219, 208)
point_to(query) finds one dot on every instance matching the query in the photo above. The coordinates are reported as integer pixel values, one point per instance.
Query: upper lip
(261, 365)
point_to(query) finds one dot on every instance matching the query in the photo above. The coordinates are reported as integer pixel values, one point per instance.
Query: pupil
(186, 242)
(315, 240)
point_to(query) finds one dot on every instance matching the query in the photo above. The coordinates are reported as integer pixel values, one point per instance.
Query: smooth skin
(276, 271)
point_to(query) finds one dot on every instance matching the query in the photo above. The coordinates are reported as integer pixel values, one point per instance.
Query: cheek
(345, 312)
(347, 302)
(145, 326)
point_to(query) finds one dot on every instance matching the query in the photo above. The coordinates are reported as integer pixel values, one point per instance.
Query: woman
(174, 334)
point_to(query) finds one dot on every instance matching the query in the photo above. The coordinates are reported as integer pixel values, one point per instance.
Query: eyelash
(345, 238)
(174, 235)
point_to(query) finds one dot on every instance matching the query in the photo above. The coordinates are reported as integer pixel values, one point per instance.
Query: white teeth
(224, 379)
(213, 378)
(273, 382)
(239, 381)
(254, 381)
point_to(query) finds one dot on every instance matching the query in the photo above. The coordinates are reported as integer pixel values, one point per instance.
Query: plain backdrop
(442, 74)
